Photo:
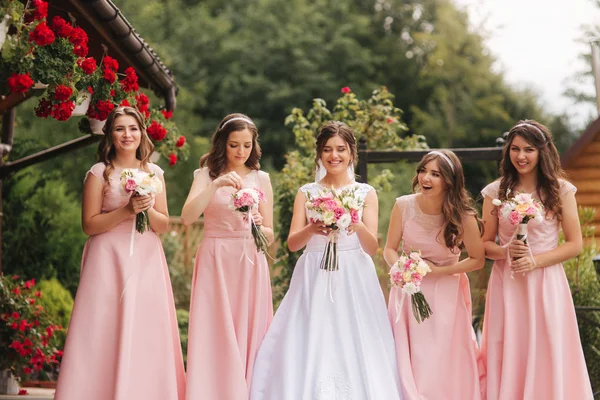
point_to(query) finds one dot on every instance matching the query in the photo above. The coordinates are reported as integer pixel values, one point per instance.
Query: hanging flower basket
(8, 383)
(3, 28)
(96, 126)
(83, 103)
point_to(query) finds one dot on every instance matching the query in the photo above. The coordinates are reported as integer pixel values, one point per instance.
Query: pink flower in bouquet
(514, 218)
(130, 186)
(354, 216)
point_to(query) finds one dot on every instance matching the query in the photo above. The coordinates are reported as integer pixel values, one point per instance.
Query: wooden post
(363, 160)
(6, 140)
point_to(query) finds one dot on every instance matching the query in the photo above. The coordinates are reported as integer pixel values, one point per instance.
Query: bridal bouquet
(336, 210)
(244, 201)
(140, 183)
(519, 210)
(407, 274)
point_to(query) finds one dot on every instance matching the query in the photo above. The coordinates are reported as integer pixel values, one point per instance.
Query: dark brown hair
(106, 149)
(336, 128)
(548, 168)
(457, 201)
(216, 158)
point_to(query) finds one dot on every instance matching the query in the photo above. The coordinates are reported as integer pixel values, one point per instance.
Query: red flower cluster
(109, 69)
(167, 114)
(180, 141)
(40, 9)
(79, 39)
(101, 109)
(156, 131)
(346, 90)
(130, 83)
(43, 109)
(20, 83)
(88, 65)
(62, 93)
(63, 111)
(42, 35)
(143, 104)
(172, 159)
(61, 27)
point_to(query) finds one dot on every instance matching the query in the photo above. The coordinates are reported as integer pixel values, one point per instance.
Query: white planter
(83, 103)
(3, 29)
(96, 126)
(40, 85)
(8, 383)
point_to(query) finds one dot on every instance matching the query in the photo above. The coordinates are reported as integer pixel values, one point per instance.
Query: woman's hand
(138, 204)
(523, 264)
(232, 179)
(256, 217)
(357, 227)
(319, 228)
(518, 249)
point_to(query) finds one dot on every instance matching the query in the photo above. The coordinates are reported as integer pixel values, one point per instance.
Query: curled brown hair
(457, 201)
(336, 128)
(106, 149)
(548, 168)
(216, 158)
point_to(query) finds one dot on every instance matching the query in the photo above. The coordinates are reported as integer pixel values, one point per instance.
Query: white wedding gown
(319, 349)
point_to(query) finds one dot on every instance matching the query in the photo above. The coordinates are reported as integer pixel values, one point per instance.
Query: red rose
(62, 93)
(31, 301)
(156, 131)
(20, 83)
(40, 9)
(110, 75)
(36, 323)
(38, 294)
(180, 141)
(78, 37)
(125, 103)
(167, 114)
(172, 159)
(88, 65)
(63, 111)
(29, 284)
(61, 27)
(23, 325)
(14, 325)
(346, 90)
(110, 63)
(17, 291)
(15, 315)
(42, 35)
(80, 50)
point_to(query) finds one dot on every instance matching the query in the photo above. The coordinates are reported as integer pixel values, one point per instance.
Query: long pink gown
(438, 359)
(531, 346)
(123, 342)
(231, 306)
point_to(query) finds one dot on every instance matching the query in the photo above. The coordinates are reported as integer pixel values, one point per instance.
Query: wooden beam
(14, 166)
(14, 99)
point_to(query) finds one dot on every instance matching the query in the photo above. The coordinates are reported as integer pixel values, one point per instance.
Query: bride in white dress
(330, 342)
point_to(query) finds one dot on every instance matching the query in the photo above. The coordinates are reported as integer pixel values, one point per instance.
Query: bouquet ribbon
(246, 237)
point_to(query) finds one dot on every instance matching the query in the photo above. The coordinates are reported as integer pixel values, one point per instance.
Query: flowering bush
(27, 334)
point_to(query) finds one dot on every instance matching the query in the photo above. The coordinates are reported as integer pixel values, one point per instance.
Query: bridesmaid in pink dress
(438, 359)
(231, 306)
(123, 342)
(531, 344)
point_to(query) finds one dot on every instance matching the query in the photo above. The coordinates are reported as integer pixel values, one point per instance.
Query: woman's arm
(394, 236)
(93, 220)
(300, 231)
(573, 245)
(489, 214)
(367, 228)
(265, 208)
(159, 213)
(475, 250)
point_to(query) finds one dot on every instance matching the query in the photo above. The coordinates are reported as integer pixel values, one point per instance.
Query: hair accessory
(445, 157)
(249, 121)
(538, 130)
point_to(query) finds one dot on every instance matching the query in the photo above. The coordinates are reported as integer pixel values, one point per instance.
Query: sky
(535, 44)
